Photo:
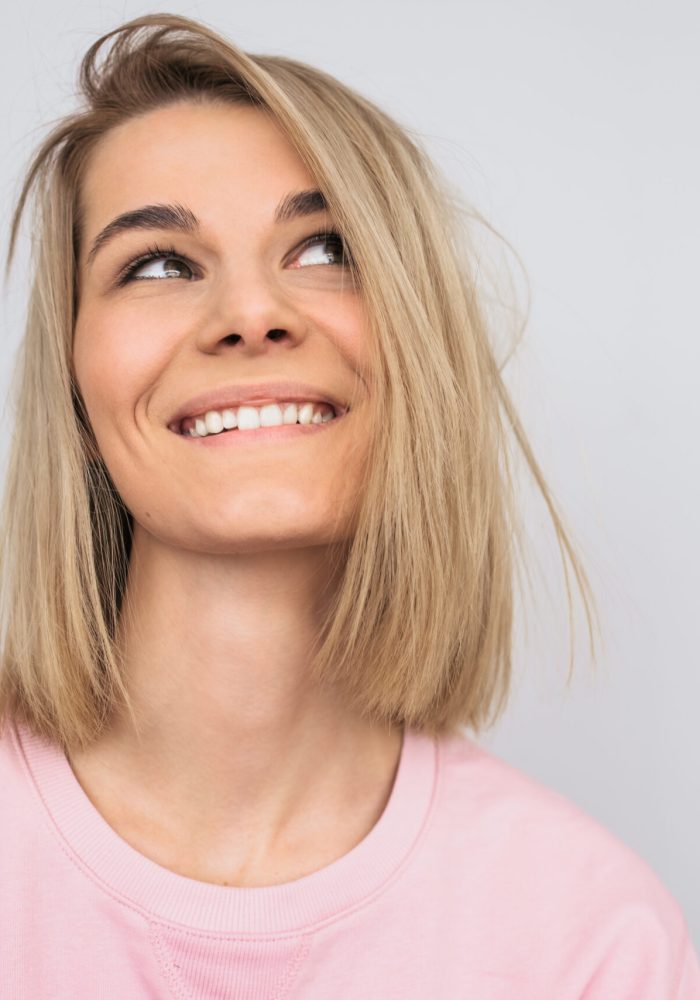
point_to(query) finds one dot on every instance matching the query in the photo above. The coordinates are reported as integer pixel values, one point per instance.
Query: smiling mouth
(249, 418)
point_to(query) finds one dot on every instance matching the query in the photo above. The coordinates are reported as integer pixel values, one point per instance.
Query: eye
(155, 257)
(323, 248)
(173, 266)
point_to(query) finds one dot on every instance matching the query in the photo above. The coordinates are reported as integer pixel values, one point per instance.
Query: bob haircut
(419, 627)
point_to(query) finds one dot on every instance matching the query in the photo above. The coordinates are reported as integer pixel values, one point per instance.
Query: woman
(264, 574)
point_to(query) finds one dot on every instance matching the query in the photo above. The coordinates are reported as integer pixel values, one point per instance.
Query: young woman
(257, 552)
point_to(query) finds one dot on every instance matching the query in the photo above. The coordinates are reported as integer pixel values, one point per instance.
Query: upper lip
(231, 396)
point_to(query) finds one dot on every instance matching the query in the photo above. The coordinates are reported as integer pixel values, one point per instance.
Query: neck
(237, 754)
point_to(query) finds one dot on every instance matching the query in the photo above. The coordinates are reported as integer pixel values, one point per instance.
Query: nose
(249, 315)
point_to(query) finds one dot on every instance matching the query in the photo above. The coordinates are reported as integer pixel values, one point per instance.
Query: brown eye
(171, 268)
(152, 262)
(323, 248)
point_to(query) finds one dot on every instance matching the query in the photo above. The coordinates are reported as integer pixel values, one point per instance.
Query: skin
(244, 773)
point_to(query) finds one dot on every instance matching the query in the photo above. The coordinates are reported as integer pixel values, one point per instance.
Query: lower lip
(261, 435)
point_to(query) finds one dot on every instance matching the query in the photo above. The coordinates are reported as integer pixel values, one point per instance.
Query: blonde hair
(419, 629)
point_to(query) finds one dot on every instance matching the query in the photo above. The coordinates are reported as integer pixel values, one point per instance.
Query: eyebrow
(294, 205)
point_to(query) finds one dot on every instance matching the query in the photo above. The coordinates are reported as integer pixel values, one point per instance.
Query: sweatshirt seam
(181, 992)
(174, 983)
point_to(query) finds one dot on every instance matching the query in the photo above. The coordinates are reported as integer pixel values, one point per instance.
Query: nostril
(276, 334)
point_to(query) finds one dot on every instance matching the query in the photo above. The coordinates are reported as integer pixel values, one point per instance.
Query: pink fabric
(477, 883)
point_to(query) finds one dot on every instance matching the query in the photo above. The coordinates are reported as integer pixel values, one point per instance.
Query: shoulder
(13, 769)
(20, 801)
(527, 822)
(534, 832)
(538, 861)
(24, 830)
(27, 826)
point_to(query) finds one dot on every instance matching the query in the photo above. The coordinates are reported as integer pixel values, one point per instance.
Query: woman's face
(236, 300)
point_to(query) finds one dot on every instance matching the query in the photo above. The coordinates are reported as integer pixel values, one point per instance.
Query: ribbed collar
(123, 871)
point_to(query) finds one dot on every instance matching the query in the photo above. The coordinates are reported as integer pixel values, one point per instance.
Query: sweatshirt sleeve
(647, 959)
(688, 987)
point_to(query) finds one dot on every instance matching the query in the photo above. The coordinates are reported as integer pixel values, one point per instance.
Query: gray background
(574, 129)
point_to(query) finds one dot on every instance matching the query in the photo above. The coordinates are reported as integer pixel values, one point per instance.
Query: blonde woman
(257, 551)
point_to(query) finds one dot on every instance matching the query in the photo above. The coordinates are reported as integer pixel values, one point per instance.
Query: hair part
(419, 628)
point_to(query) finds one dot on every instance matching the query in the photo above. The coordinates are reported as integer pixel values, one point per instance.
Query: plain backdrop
(574, 128)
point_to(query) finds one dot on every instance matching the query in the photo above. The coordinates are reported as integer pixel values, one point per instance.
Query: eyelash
(155, 252)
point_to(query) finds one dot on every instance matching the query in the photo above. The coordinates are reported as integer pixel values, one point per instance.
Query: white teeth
(251, 417)
(214, 422)
(270, 415)
(248, 419)
(305, 414)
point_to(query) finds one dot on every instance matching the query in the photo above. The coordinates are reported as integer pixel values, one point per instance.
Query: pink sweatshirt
(476, 883)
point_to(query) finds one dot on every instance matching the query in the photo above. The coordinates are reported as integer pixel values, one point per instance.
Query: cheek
(345, 321)
(115, 358)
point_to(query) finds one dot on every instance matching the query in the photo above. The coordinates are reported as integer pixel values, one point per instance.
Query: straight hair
(418, 630)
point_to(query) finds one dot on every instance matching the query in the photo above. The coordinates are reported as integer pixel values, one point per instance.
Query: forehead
(212, 153)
